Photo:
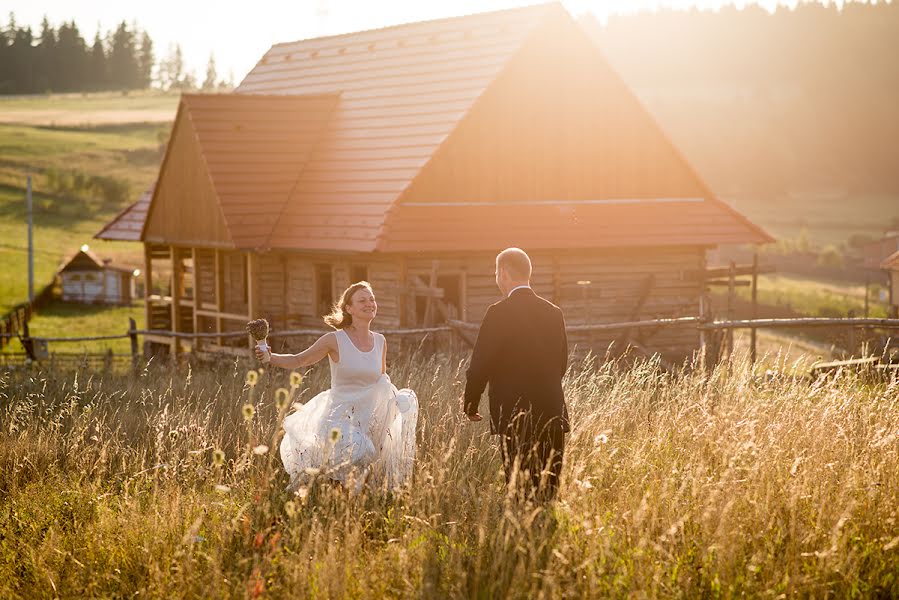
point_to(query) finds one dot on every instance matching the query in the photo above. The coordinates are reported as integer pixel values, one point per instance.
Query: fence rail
(462, 327)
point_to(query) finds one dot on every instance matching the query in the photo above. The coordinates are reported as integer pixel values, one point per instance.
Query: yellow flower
(290, 508)
(252, 378)
(218, 458)
(335, 435)
(296, 379)
(282, 398)
(248, 411)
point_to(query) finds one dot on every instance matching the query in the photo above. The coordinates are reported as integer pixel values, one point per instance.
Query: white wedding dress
(361, 431)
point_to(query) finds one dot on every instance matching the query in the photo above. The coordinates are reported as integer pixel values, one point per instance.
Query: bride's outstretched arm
(323, 346)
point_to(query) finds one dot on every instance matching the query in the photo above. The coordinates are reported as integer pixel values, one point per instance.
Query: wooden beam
(254, 304)
(148, 284)
(219, 292)
(176, 298)
(195, 296)
(724, 272)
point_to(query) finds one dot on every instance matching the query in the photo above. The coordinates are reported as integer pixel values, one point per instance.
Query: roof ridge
(535, 7)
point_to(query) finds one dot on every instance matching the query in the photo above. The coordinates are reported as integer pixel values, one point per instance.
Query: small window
(324, 297)
(75, 277)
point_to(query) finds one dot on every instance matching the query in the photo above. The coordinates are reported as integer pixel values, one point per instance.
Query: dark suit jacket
(522, 352)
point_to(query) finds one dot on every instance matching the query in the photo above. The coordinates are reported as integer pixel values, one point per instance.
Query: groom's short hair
(515, 262)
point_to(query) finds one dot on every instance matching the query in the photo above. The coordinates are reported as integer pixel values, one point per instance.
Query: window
(452, 300)
(324, 296)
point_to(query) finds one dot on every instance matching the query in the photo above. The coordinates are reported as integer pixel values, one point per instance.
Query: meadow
(167, 483)
(81, 178)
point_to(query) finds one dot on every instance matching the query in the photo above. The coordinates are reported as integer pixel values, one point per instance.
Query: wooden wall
(185, 209)
(288, 288)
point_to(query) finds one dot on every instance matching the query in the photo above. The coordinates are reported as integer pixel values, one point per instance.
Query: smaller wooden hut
(88, 279)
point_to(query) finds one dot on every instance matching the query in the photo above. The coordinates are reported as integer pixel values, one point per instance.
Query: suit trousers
(533, 460)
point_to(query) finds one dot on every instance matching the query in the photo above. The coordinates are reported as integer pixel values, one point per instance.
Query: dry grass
(718, 486)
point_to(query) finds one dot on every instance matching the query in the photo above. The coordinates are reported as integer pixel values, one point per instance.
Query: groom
(522, 352)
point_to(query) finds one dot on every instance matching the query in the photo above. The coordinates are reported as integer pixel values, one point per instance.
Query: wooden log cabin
(408, 156)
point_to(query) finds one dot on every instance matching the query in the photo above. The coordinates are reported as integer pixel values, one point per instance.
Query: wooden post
(731, 297)
(148, 284)
(219, 295)
(867, 291)
(196, 299)
(755, 307)
(429, 303)
(175, 292)
(703, 313)
(135, 357)
(253, 293)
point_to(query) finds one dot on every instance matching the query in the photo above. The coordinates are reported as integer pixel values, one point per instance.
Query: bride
(362, 430)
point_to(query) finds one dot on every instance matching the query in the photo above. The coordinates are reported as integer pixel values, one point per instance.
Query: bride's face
(363, 306)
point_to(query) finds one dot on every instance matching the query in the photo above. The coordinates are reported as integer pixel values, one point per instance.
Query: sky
(238, 33)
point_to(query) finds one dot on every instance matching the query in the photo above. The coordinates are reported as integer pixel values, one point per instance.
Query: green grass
(732, 484)
(63, 319)
(812, 297)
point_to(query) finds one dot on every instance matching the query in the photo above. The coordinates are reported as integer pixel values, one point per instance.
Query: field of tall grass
(167, 483)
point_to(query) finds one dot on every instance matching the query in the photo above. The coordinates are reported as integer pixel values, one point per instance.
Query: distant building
(878, 251)
(89, 279)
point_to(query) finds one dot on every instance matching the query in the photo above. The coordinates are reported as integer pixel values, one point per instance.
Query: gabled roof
(127, 225)
(85, 260)
(351, 143)
(892, 262)
(251, 148)
(403, 89)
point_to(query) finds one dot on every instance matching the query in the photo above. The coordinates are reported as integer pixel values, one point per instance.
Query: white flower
(601, 439)
(222, 489)
(260, 449)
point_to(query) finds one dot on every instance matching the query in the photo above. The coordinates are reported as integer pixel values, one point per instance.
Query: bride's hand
(260, 355)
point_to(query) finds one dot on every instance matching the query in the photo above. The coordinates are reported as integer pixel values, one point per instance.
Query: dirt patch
(79, 118)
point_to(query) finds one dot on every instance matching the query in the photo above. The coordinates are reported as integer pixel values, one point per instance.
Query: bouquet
(258, 328)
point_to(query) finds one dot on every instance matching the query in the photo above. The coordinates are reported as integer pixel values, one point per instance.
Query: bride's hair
(339, 318)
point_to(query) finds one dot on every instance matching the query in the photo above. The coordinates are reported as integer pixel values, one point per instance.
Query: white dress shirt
(527, 287)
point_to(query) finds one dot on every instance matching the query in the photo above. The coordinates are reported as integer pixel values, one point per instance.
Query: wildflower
(584, 485)
(335, 435)
(260, 449)
(261, 370)
(248, 412)
(252, 378)
(218, 458)
(296, 379)
(290, 509)
(601, 439)
(282, 398)
(302, 492)
(312, 471)
(222, 489)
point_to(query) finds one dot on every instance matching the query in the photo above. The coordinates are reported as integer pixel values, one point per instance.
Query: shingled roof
(128, 224)
(346, 172)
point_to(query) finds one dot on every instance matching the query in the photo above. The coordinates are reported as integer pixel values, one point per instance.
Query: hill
(83, 173)
(790, 116)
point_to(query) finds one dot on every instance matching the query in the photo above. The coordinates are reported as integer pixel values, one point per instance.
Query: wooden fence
(16, 320)
(465, 332)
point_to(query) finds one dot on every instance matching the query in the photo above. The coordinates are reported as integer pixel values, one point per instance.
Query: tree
(209, 84)
(122, 62)
(171, 69)
(97, 76)
(46, 72)
(145, 60)
(72, 58)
